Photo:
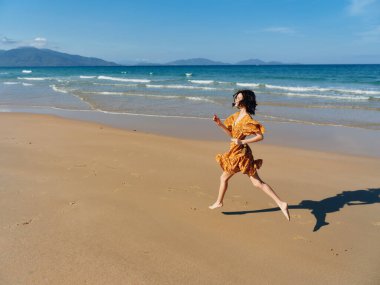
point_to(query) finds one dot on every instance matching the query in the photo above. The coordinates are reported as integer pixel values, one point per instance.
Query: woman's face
(238, 98)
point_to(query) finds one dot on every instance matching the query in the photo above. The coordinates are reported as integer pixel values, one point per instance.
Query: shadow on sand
(329, 205)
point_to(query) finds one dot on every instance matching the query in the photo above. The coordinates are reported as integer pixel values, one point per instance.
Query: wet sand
(333, 139)
(85, 203)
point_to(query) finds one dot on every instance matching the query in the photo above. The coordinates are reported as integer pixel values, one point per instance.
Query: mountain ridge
(34, 57)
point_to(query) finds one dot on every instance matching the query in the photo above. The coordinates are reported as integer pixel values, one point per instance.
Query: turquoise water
(342, 95)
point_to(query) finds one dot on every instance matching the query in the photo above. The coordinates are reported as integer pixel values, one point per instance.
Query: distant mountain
(145, 63)
(257, 62)
(203, 61)
(196, 61)
(127, 62)
(30, 56)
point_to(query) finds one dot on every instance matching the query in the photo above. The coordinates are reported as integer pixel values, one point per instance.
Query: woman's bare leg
(257, 182)
(222, 189)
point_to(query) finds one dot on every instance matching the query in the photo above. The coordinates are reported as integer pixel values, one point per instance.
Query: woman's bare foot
(216, 205)
(259, 163)
(284, 208)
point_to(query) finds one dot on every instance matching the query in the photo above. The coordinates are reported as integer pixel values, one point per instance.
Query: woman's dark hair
(249, 100)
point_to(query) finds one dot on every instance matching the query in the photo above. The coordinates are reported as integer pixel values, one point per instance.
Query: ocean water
(339, 95)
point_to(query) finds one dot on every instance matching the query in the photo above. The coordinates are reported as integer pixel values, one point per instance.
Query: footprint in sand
(8, 138)
(26, 222)
(194, 187)
(135, 174)
(191, 188)
(80, 165)
(70, 204)
(376, 223)
(299, 237)
(243, 204)
(335, 253)
(125, 186)
(171, 189)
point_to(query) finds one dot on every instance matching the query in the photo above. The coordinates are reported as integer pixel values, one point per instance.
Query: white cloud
(357, 7)
(280, 30)
(40, 39)
(8, 41)
(39, 42)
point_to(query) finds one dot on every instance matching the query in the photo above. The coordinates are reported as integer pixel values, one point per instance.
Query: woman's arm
(258, 137)
(220, 124)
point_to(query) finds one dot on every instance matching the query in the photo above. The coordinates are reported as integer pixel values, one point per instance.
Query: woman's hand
(237, 141)
(221, 125)
(217, 120)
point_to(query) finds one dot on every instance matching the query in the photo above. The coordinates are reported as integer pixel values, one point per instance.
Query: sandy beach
(85, 203)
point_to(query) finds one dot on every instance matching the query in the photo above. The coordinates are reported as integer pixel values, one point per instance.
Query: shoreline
(333, 139)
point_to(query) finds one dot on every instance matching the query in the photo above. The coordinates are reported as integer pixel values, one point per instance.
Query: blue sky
(302, 31)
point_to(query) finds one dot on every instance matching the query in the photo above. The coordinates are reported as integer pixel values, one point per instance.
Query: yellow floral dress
(239, 157)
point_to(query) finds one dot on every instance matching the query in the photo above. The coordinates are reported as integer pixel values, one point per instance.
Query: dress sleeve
(229, 122)
(253, 127)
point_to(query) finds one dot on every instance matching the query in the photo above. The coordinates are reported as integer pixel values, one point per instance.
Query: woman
(239, 158)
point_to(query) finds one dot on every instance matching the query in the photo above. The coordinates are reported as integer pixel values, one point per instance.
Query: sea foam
(116, 84)
(34, 78)
(199, 99)
(251, 85)
(179, 97)
(180, 87)
(10, 83)
(57, 89)
(342, 97)
(123, 79)
(202, 81)
(321, 89)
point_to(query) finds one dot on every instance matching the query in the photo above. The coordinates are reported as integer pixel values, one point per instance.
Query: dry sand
(83, 203)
